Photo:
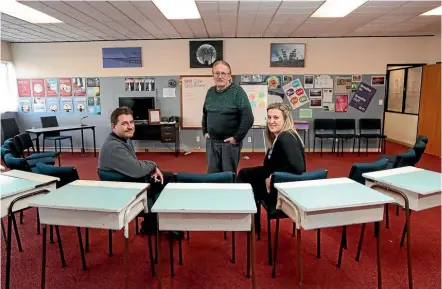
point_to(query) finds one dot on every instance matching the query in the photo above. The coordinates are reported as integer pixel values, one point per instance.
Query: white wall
(6, 54)
(401, 127)
(171, 57)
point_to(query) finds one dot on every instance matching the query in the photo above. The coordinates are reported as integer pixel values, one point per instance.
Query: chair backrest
(422, 138)
(16, 163)
(223, 177)
(419, 149)
(370, 124)
(346, 124)
(358, 169)
(113, 176)
(65, 174)
(324, 124)
(4, 151)
(280, 177)
(49, 121)
(9, 128)
(405, 159)
(24, 142)
(14, 149)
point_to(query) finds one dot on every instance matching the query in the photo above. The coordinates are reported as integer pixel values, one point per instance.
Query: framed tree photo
(204, 53)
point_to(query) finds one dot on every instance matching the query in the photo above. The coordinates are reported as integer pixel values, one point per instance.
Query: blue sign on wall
(122, 57)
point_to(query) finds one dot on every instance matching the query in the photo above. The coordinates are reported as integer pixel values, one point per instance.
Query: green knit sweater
(227, 113)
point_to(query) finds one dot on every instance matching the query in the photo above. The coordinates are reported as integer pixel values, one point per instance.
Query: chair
(9, 127)
(273, 213)
(422, 138)
(17, 163)
(419, 149)
(374, 128)
(23, 142)
(223, 177)
(356, 172)
(113, 176)
(348, 132)
(51, 121)
(321, 125)
(15, 151)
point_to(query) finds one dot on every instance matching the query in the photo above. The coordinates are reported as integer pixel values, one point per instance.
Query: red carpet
(207, 255)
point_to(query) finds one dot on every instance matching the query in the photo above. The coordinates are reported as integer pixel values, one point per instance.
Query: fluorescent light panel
(23, 12)
(337, 8)
(435, 12)
(178, 9)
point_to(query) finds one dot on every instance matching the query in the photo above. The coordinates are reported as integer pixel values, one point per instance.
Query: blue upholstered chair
(113, 176)
(17, 163)
(15, 151)
(273, 213)
(24, 142)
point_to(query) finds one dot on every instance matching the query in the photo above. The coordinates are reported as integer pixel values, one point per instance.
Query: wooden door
(430, 109)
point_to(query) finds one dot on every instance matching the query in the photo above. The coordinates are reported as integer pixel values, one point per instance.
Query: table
(39, 131)
(207, 207)
(164, 132)
(412, 188)
(18, 189)
(92, 204)
(305, 127)
(330, 203)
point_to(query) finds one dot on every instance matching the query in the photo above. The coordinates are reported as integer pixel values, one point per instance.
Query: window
(8, 88)
(404, 89)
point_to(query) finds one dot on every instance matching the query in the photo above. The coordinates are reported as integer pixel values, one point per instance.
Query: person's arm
(124, 163)
(246, 115)
(292, 151)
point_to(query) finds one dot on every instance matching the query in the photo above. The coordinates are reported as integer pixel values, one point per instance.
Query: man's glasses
(222, 74)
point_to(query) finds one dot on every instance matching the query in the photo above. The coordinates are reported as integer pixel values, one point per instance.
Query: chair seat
(60, 137)
(346, 135)
(372, 135)
(33, 162)
(42, 155)
(34, 170)
(325, 135)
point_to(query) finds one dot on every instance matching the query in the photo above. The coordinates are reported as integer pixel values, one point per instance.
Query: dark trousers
(150, 219)
(255, 176)
(222, 156)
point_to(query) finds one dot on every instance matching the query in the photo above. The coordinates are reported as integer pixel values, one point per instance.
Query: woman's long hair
(289, 124)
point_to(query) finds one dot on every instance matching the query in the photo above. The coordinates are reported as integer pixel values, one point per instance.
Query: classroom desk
(92, 204)
(413, 188)
(18, 189)
(305, 127)
(330, 203)
(39, 131)
(207, 207)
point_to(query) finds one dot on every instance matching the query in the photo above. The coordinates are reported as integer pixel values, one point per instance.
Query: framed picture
(114, 57)
(204, 53)
(287, 54)
(154, 116)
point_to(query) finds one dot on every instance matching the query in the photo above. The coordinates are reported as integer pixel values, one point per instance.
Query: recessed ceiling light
(178, 9)
(435, 12)
(23, 12)
(337, 8)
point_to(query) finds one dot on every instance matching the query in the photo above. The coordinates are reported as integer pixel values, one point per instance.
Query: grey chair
(51, 121)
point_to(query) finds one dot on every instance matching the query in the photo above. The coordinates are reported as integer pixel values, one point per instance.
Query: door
(429, 109)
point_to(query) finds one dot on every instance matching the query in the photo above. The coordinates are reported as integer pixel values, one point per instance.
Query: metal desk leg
(158, 239)
(253, 253)
(43, 259)
(378, 250)
(299, 259)
(95, 147)
(126, 262)
(82, 142)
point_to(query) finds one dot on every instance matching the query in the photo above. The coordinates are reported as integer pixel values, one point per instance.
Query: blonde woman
(285, 154)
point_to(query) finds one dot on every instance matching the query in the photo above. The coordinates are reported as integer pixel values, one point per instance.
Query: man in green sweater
(227, 117)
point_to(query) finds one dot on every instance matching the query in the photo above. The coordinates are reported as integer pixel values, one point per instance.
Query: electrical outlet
(198, 138)
(249, 139)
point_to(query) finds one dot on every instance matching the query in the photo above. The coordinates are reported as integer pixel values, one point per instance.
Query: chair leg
(404, 232)
(80, 243)
(43, 145)
(152, 261)
(172, 272)
(59, 160)
(136, 226)
(233, 247)
(59, 145)
(38, 223)
(225, 235)
(4, 235)
(60, 247)
(72, 147)
(180, 252)
(361, 238)
(366, 146)
(21, 217)
(314, 144)
(110, 244)
(275, 250)
(318, 243)
(341, 247)
(188, 235)
(269, 239)
(51, 234)
(258, 220)
(294, 229)
(17, 236)
(321, 147)
(397, 210)
(387, 221)
(354, 141)
(337, 150)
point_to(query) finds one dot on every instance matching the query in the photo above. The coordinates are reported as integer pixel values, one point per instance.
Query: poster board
(257, 95)
(193, 94)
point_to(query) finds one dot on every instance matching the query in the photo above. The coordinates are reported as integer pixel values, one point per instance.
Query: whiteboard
(193, 95)
(257, 95)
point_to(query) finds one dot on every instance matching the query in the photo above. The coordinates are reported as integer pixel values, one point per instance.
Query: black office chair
(345, 130)
(51, 121)
(9, 128)
(23, 142)
(371, 128)
(327, 125)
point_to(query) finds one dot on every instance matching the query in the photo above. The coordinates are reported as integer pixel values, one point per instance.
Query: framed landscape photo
(204, 53)
(287, 54)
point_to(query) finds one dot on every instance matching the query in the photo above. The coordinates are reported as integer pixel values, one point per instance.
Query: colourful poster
(25, 105)
(52, 104)
(38, 87)
(51, 87)
(79, 86)
(295, 93)
(273, 81)
(94, 105)
(65, 86)
(66, 105)
(24, 87)
(39, 104)
(341, 103)
(80, 105)
(363, 96)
